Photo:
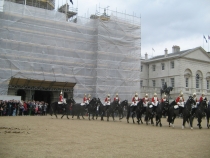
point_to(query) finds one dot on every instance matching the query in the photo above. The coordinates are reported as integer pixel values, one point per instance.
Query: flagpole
(203, 42)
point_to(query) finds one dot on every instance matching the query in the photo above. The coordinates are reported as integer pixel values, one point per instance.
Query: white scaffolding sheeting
(100, 56)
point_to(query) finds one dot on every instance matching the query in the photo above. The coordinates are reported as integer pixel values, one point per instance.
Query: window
(172, 82)
(153, 83)
(207, 84)
(153, 67)
(187, 82)
(197, 80)
(141, 68)
(163, 66)
(162, 82)
(172, 64)
(141, 83)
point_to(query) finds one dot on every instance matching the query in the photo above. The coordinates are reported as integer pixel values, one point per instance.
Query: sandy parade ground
(42, 136)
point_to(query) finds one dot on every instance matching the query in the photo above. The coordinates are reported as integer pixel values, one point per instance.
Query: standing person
(107, 101)
(180, 102)
(116, 98)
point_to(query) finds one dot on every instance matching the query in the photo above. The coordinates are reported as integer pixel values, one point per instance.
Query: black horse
(172, 113)
(111, 109)
(166, 91)
(199, 113)
(161, 109)
(121, 107)
(149, 113)
(186, 112)
(208, 114)
(78, 109)
(61, 107)
(135, 110)
(101, 110)
(92, 108)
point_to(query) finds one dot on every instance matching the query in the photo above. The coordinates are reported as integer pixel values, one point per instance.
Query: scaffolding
(99, 55)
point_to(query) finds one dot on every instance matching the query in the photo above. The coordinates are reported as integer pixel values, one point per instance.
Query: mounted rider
(107, 101)
(116, 98)
(145, 100)
(135, 100)
(194, 106)
(202, 97)
(180, 102)
(155, 101)
(60, 98)
(85, 101)
(164, 98)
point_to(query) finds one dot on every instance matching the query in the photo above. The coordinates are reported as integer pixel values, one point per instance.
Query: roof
(171, 54)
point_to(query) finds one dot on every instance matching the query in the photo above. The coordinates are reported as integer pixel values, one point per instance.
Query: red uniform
(135, 99)
(179, 99)
(116, 99)
(61, 98)
(202, 98)
(85, 99)
(163, 99)
(154, 99)
(145, 99)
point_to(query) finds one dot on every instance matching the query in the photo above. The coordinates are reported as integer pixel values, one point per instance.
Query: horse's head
(191, 100)
(124, 103)
(71, 100)
(99, 102)
(204, 102)
(116, 102)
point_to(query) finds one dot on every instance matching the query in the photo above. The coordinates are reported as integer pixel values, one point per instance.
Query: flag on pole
(153, 49)
(204, 38)
(71, 2)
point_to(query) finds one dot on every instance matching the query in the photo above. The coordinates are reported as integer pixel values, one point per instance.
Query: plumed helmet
(116, 94)
(194, 94)
(61, 92)
(146, 95)
(155, 94)
(89, 95)
(203, 93)
(181, 93)
(108, 95)
(136, 94)
(85, 95)
(164, 96)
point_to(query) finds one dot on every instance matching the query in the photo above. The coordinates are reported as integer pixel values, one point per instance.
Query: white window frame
(153, 67)
(187, 82)
(172, 82)
(153, 83)
(197, 81)
(163, 66)
(172, 65)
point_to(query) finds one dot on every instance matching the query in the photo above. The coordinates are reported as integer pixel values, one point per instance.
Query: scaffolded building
(41, 52)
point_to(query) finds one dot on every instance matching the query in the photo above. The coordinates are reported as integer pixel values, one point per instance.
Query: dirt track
(41, 136)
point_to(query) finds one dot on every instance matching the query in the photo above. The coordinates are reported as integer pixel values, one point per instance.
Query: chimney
(146, 56)
(175, 49)
(166, 52)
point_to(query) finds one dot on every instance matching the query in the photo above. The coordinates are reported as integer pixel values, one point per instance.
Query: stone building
(187, 71)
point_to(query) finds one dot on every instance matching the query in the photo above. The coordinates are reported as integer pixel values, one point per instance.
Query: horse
(132, 110)
(63, 107)
(149, 113)
(111, 109)
(120, 108)
(208, 114)
(166, 91)
(199, 113)
(186, 112)
(92, 107)
(172, 113)
(160, 110)
(78, 110)
(101, 109)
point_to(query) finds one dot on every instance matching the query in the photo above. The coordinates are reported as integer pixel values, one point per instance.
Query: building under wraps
(41, 54)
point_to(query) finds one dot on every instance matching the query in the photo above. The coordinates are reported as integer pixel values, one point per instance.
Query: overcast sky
(164, 22)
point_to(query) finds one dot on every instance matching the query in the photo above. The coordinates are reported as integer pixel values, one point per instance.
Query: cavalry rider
(135, 101)
(145, 100)
(155, 101)
(85, 101)
(107, 101)
(116, 98)
(194, 106)
(163, 99)
(60, 98)
(202, 97)
(180, 102)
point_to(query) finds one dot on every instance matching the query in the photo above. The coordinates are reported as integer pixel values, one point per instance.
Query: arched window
(198, 80)
(188, 76)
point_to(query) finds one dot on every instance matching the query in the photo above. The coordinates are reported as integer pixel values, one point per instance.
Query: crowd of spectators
(22, 108)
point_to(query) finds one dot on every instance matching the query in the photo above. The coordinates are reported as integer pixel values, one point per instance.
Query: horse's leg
(113, 116)
(207, 119)
(157, 120)
(133, 117)
(183, 123)
(160, 122)
(199, 122)
(89, 115)
(128, 115)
